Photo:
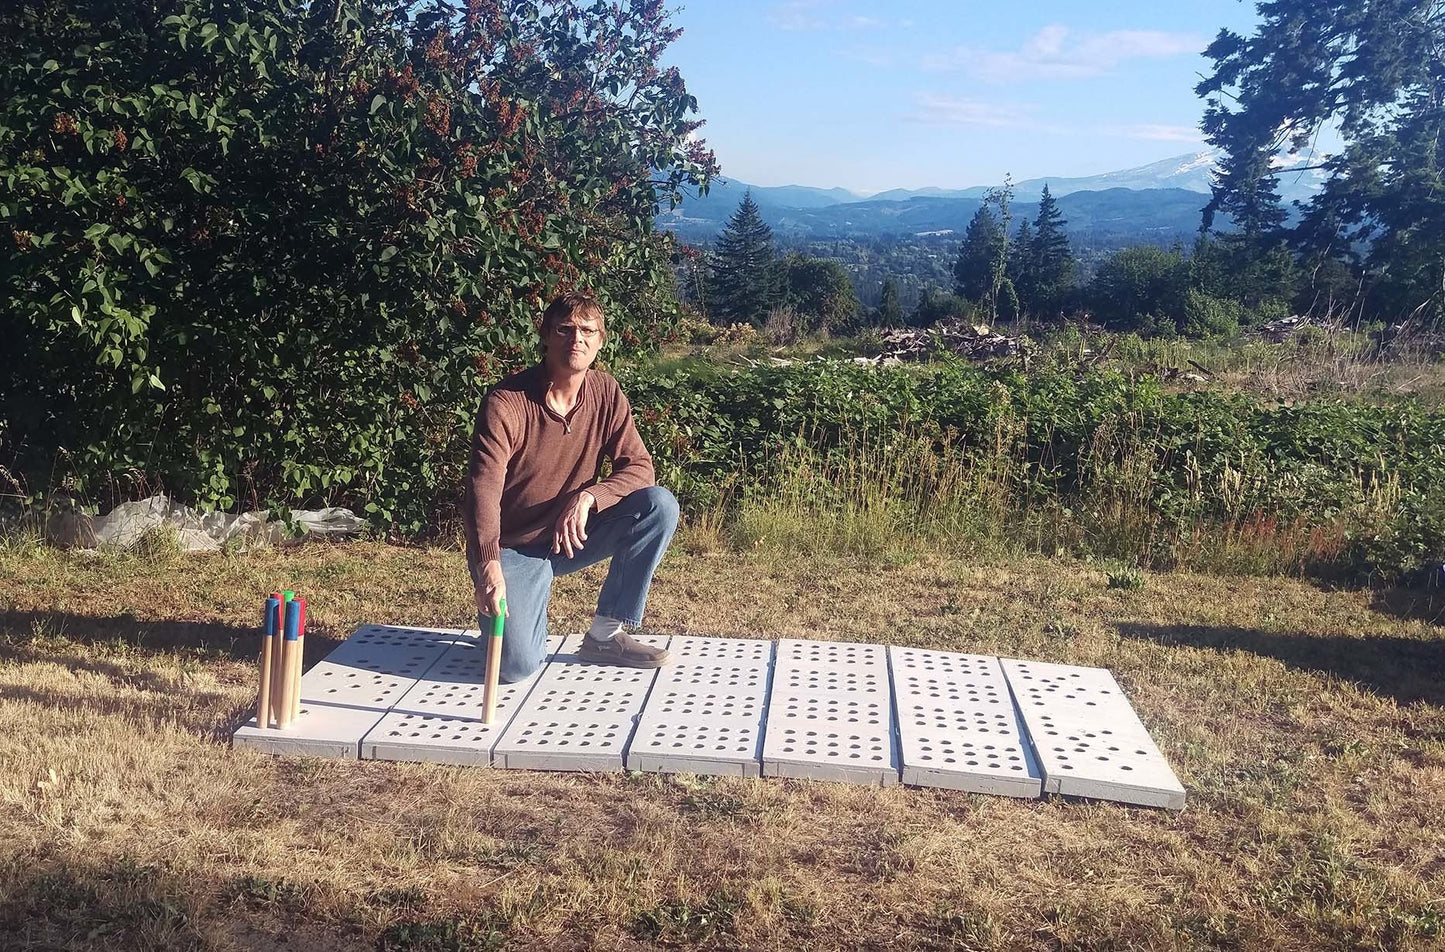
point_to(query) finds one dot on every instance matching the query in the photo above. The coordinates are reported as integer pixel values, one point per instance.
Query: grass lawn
(1307, 725)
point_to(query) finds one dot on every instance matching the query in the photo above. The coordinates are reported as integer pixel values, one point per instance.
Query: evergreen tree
(1052, 259)
(1023, 266)
(983, 244)
(890, 307)
(981, 273)
(1372, 71)
(745, 282)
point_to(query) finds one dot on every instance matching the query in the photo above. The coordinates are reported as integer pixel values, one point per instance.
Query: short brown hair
(572, 304)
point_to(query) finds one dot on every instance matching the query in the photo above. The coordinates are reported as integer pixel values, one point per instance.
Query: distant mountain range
(1155, 202)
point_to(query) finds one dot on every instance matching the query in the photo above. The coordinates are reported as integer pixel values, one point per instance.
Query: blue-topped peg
(293, 620)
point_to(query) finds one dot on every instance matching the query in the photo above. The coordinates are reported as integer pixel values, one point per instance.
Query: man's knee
(659, 503)
(517, 669)
(519, 660)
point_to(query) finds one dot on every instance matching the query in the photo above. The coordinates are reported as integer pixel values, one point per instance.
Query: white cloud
(1152, 132)
(815, 15)
(796, 15)
(1055, 52)
(868, 57)
(945, 110)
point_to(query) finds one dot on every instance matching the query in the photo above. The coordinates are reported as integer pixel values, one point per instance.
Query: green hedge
(1379, 472)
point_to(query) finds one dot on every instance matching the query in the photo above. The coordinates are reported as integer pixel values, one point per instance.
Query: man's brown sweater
(528, 461)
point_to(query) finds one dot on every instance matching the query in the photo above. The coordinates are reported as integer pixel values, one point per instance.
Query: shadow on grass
(30, 635)
(1420, 604)
(1406, 669)
(121, 903)
(117, 905)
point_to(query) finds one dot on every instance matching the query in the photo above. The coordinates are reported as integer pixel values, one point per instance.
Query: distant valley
(1156, 203)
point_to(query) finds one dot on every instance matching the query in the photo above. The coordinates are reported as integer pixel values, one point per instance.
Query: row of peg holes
(742, 738)
(744, 707)
(462, 730)
(969, 695)
(968, 667)
(716, 678)
(565, 735)
(1103, 734)
(987, 755)
(854, 712)
(832, 652)
(962, 720)
(601, 701)
(724, 651)
(813, 743)
(589, 673)
(865, 681)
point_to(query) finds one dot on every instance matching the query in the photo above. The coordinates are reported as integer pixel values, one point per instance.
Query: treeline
(1007, 271)
(1220, 285)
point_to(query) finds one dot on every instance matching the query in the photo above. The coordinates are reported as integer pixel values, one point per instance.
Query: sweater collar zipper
(566, 421)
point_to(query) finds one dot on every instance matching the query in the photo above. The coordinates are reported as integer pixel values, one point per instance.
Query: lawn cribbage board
(843, 711)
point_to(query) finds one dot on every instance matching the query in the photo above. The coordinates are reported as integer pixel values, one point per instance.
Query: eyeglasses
(572, 330)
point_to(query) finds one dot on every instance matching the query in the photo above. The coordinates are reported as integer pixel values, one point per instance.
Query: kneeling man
(539, 441)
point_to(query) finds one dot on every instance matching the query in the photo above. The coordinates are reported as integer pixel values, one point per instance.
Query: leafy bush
(936, 305)
(1140, 288)
(1127, 578)
(271, 252)
(1102, 464)
(1208, 316)
(821, 294)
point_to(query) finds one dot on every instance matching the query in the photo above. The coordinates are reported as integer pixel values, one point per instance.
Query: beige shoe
(623, 649)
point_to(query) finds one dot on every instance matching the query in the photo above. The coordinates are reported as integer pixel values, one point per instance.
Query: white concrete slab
(343, 684)
(706, 710)
(578, 715)
(339, 705)
(957, 724)
(396, 649)
(1088, 739)
(321, 730)
(695, 648)
(830, 714)
(343, 696)
(439, 720)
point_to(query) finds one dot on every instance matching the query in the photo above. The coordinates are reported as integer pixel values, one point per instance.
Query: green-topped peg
(494, 662)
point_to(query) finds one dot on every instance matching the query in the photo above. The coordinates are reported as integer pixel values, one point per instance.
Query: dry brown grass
(1308, 726)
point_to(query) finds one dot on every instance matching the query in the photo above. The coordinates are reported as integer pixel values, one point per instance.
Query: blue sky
(952, 93)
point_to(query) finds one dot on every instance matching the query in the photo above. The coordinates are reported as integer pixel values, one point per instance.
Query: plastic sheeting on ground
(126, 524)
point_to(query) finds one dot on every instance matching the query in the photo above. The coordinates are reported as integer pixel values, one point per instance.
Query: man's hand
(571, 529)
(491, 589)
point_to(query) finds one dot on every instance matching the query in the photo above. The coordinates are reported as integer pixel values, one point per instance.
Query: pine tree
(1023, 266)
(981, 273)
(1052, 259)
(983, 243)
(745, 276)
(1371, 71)
(890, 307)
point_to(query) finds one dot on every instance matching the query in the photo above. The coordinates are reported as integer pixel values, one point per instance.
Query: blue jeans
(634, 532)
